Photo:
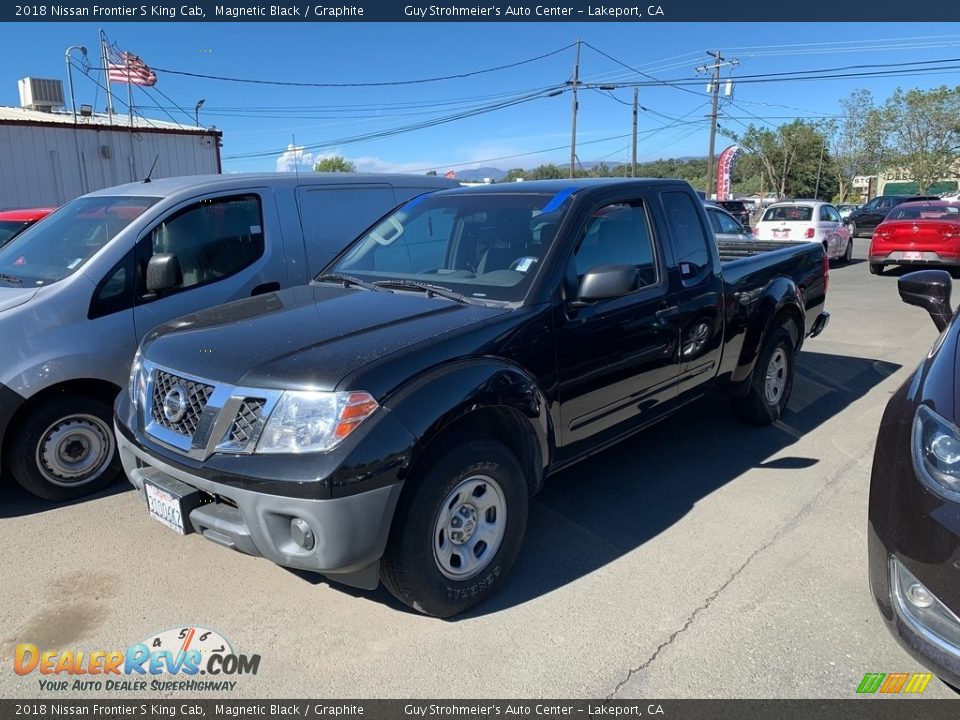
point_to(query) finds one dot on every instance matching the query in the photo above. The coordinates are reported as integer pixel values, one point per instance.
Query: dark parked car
(914, 531)
(392, 419)
(737, 208)
(866, 218)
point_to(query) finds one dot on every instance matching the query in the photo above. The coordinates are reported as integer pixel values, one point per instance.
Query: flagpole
(133, 160)
(106, 74)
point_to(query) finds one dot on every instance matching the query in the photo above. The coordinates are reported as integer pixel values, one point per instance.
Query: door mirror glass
(163, 272)
(929, 289)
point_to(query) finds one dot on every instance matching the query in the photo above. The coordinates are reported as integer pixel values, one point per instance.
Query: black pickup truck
(391, 420)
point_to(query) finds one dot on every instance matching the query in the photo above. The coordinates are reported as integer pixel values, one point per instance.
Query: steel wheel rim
(776, 378)
(75, 450)
(469, 528)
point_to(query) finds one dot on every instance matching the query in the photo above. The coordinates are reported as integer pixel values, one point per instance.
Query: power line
(639, 72)
(384, 83)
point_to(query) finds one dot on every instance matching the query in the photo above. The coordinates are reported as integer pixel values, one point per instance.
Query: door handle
(666, 311)
(265, 288)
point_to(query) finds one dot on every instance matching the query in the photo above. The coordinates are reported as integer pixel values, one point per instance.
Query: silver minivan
(80, 290)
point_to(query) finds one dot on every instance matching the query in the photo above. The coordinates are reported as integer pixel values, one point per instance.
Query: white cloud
(295, 157)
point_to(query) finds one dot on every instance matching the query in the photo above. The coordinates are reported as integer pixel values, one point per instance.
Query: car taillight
(810, 233)
(826, 271)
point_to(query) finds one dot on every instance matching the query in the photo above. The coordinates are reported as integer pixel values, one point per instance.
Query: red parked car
(917, 233)
(14, 222)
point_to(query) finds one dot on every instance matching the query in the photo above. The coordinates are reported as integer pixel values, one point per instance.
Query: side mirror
(929, 289)
(163, 272)
(607, 281)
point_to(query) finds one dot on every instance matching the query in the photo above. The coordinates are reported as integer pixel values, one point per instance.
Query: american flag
(125, 67)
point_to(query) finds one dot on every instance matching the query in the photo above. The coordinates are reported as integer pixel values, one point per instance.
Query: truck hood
(11, 297)
(309, 336)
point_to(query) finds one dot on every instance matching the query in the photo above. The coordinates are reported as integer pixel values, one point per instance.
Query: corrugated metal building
(46, 158)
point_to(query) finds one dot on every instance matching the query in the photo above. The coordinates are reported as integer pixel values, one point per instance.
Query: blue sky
(262, 120)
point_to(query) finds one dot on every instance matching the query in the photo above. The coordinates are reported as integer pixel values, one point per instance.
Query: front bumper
(913, 538)
(349, 533)
(820, 324)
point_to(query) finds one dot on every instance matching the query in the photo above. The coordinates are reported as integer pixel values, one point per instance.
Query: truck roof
(163, 187)
(556, 186)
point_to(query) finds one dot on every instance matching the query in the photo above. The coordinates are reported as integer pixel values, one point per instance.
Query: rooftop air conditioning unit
(40, 93)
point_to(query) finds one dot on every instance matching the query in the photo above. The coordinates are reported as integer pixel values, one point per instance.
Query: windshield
(484, 246)
(789, 213)
(56, 248)
(9, 228)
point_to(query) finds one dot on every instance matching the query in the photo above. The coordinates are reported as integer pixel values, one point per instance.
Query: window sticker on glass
(255, 230)
(525, 263)
(74, 264)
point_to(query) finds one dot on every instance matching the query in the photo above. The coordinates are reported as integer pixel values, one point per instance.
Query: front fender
(435, 400)
(781, 295)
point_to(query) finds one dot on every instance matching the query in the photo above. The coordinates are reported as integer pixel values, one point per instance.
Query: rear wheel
(458, 528)
(876, 269)
(65, 448)
(771, 381)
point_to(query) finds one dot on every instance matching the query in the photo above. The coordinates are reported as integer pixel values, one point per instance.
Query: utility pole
(573, 117)
(633, 160)
(718, 62)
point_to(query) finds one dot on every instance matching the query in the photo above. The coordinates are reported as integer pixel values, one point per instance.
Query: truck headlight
(936, 453)
(313, 421)
(136, 386)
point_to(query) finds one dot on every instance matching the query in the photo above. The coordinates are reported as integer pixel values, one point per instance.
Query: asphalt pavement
(704, 558)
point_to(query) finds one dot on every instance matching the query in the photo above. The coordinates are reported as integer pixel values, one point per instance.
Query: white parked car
(809, 220)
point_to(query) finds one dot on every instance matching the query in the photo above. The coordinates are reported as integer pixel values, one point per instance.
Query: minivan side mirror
(607, 281)
(929, 289)
(163, 272)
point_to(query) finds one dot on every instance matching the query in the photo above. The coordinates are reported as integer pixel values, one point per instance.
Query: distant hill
(477, 174)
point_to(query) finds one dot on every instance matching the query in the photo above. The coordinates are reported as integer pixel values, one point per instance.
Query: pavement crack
(829, 487)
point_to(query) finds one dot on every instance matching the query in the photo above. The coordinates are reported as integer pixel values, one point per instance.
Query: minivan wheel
(65, 448)
(853, 230)
(770, 383)
(458, 528)
(848, 253)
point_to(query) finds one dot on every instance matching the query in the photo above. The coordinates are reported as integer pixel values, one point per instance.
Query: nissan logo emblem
(175, 404)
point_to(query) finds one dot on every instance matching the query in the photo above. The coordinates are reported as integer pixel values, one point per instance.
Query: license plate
(912, 255)
(781, 233)
(165, 507)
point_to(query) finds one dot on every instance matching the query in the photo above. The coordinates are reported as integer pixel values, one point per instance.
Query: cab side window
(212, 239)
(689, 237)
(727, 224)
(618, 234)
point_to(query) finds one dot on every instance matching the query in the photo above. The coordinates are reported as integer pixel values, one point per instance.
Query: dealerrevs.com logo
(188, 659)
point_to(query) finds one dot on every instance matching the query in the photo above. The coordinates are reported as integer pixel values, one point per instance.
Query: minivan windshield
(56, 248)
(483, 246)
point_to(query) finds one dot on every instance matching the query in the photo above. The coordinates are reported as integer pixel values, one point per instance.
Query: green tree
(794, 158)
(547, 172)
(432, 173)
(857, 144)
(923, 132)
(514, 174)
(334, 163)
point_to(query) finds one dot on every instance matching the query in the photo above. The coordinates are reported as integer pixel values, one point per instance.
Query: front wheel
(770, 383)
(853, 230)
(458, 529)
(848, 253)
(65, 448)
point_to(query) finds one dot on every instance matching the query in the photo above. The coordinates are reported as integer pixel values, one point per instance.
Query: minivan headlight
(936, 453)
(313, 421)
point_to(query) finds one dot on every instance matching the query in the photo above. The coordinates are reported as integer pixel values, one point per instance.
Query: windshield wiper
(346, 280)
(10, 279)
(424, 287)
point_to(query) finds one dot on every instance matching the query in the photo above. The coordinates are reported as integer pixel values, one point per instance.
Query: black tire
(40, 451)
(848, 253)
(876, 269)
(853, 230)
(761, 405)
(410, 568)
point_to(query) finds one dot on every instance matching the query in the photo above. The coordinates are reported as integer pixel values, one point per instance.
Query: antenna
(147, 178)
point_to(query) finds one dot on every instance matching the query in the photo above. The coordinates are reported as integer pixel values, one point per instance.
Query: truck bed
(731, 250)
